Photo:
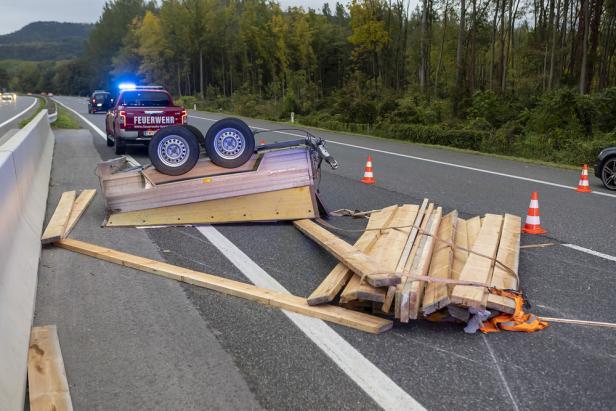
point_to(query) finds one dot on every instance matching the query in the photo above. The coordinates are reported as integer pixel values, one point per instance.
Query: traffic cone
(261, 142)
(583, 186)
(533, 222)
(368, 176)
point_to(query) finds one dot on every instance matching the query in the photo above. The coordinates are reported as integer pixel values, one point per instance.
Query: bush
(489, 106)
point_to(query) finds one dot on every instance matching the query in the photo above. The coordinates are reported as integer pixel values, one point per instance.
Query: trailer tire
(229, 142)
(196, 132)
(174, 150)
(120, 147)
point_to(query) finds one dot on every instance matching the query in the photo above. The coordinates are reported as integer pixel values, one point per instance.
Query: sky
(14, 14)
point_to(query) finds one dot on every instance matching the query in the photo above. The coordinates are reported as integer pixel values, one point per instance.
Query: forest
(528, 78)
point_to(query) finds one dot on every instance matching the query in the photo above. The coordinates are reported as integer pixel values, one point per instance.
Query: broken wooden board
(361, 264)
(277, 170)
(509, 255)
(47, 385)
(340, 275)
(419, 267)
(338, 315)
(59, 220)
(436, 295)
(79, 207)
(404, 256)
(386, 250)
(288, 204)
(479, 268)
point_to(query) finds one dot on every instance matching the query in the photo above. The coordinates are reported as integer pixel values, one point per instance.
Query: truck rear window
(145, 99)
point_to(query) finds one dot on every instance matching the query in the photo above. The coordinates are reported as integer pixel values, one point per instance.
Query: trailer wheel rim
(609, 174)
(173, 150)
(229, 143)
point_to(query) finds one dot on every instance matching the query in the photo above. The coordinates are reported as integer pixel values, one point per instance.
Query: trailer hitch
(315, 143)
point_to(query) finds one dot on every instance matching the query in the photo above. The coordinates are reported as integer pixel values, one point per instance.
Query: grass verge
(41, 106)
(65, 120)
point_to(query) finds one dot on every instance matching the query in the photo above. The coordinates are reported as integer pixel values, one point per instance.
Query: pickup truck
(138, 114)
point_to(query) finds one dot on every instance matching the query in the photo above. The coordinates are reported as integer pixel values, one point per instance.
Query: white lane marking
(480, 170)
(19, 114)
(501, 374)
(130, 159)
(591, 252)
(386, 393)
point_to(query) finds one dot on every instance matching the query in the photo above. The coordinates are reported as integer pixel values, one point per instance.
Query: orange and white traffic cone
(583, 186)
(533, 222)
(261, 142)
(368, 175)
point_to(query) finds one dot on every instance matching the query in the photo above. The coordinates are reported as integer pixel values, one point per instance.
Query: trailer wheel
(229, 142)
(174, 150)
(196, 132)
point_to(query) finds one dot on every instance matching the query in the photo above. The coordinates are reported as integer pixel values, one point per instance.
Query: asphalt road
(12, 112)
(118, 327)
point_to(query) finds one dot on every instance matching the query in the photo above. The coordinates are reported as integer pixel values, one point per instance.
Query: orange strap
(518, 321)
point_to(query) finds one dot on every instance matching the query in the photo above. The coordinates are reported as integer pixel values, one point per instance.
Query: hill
(45, 40)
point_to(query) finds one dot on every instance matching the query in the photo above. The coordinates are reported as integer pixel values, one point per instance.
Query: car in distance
(100, 100)
(8, 97)
(605, 167)
(138, 113)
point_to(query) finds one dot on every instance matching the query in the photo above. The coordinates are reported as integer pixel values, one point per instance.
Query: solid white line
(20, 114)
(130, 159)
(501, 374)
(386, 393)
(591, 252)
(480, 170)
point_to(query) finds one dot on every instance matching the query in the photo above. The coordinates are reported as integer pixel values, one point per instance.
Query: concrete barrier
(25, 166)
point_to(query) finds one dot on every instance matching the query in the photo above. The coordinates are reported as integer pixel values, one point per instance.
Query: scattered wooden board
(460, 254)
(338, 315)
(436, 295)
(47, 385)
(478, 268)
(59, 220)
(508, 254)
(473, 227)
(340, 275)
(358, 262)
(79, 207)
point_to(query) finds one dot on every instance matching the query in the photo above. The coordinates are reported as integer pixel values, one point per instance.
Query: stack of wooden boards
(412, 261)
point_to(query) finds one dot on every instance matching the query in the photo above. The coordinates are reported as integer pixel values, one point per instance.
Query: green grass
(41, 106)
(65, 120)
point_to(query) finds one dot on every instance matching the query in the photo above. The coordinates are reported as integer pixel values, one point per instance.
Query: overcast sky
(14, 14)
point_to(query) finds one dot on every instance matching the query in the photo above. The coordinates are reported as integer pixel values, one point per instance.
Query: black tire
(110, 142)
(174, 150)
(196, 132)
(120, 146)
(608, 173)
(238, 140)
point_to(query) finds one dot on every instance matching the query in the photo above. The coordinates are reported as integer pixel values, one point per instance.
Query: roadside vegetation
(533, 79)
(40, 106)
(65, 119)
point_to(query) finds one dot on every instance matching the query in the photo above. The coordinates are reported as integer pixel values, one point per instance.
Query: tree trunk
(201, 74)
(424, 54)
(553, 52)
(459, 65)
(440, 54)
(595, 24)
(586, 29)
(502, 48)
(493, 56)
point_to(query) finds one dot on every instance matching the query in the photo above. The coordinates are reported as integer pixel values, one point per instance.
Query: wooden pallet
(274, 185)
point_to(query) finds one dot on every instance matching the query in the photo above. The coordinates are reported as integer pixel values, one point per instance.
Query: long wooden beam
(47, 384)
(338, 315)
(358, 262)
(79, 207)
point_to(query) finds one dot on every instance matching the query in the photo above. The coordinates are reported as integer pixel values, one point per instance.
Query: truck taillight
(184, 115)
(122, 118)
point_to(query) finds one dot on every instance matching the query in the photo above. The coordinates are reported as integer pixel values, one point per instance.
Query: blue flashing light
(127, 86)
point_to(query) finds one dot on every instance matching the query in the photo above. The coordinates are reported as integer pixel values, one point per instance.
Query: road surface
(128, 338)
(12, 112)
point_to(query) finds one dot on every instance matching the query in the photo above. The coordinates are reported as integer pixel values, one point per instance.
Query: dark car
(100, 101)
(605, 168)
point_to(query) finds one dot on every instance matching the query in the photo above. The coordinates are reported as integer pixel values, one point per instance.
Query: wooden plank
(413, 290)
(47, 385)
(477, 267)
(358, 262)
(401, 302)
(386, 250)
(473, 226)
(338, 315)
(289, 204)
(340, 275)
(79, 207)
(404, 256)
(59, 220)
(460, 254)
(436, 295)
(508, 254)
